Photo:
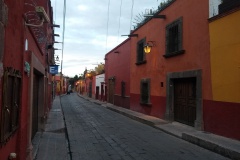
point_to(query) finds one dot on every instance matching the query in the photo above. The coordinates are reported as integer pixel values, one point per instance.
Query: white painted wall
(99, 79)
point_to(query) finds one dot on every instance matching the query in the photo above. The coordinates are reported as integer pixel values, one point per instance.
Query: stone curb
(211, 146)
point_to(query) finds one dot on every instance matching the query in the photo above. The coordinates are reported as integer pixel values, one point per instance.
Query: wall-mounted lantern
(89, 75)
(148, 46)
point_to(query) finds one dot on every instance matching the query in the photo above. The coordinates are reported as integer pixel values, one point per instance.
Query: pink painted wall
(117, 64)
(15, 56)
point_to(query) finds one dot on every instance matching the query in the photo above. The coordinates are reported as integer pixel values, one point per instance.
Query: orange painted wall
(195, 44)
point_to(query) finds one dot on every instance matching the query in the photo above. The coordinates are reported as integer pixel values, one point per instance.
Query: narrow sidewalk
(224, 146)
(52, 142)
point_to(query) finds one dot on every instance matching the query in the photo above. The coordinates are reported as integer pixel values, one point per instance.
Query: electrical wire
(131, 14)
(107, 24)
(119, 21)
(63, 32)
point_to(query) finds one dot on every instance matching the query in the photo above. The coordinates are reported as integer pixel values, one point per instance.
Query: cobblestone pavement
(96, 133)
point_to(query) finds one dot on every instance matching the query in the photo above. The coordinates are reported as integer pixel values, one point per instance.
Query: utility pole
(63, 34)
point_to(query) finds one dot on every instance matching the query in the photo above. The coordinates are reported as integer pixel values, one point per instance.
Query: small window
(140, 52)
(11, 101)
(123, 88)
(145, 91)
(174, 38)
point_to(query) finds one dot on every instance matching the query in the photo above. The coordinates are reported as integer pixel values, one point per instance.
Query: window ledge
(142, 62)
(146, 104)
(172, 54)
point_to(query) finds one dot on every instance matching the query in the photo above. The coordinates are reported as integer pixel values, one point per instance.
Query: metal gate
(35, 105)
(185, 100)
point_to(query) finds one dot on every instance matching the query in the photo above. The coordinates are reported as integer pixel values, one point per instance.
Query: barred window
(123, 88)
(174, 38)
(140, 52)
(11, 101)
(145, 91)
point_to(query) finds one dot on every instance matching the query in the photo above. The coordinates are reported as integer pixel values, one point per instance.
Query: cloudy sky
(90, 32)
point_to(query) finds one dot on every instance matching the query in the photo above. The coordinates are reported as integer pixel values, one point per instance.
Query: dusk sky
(90, 32)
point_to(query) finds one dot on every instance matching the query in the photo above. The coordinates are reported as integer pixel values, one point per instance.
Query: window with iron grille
(140, 52)
(123, 88)
(145, 91)
(11, 100)
(174, 38)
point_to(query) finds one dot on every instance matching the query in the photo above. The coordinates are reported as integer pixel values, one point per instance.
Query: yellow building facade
(225, 57)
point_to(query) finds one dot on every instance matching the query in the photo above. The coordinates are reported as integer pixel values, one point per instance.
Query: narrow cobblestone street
(96, 133)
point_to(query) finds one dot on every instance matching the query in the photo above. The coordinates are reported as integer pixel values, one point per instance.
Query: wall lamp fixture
(148, 46)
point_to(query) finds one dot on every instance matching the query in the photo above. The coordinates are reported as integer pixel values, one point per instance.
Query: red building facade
(117, 75)
(25, 82)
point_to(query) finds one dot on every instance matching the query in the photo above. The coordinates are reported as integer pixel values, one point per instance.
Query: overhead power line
(107, 24)
(63, 32)
(119, 22)
(131, 14)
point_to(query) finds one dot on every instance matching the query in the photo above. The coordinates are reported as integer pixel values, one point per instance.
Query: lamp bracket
(131, 35)
(151, 43)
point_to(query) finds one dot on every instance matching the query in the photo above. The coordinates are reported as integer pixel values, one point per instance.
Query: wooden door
(90, 90)
(102, 92)
(111, 91)
(97, 92)
(35, 105)
(185, 100)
